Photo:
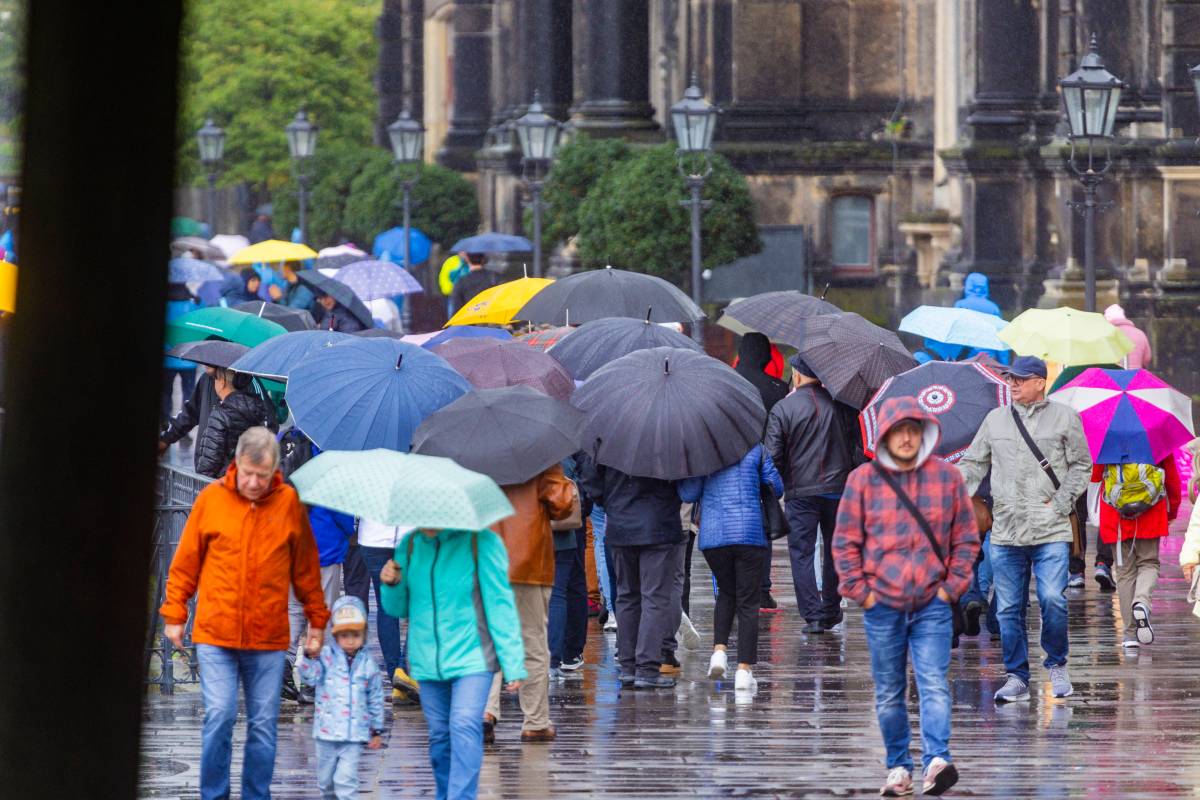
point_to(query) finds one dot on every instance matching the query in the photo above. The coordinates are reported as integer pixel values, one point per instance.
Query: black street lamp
(211, 141)
(695, 119)
(1091, 95)
(302, 143)
(407, 136)
(538, 135)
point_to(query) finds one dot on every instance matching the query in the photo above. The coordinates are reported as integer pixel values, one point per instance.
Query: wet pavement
(1130, 731)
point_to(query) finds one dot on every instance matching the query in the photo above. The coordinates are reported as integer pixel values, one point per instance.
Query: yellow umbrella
(1066, 335)
(499, 304)
(272, 250)
(8, 287)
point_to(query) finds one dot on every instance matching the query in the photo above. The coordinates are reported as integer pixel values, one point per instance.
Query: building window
(852, 232)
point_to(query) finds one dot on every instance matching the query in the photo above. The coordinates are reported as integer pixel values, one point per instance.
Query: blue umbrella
(278, 356)
(960, 326)
(389, 246)
(372, 280)
(370, 393)
(192, 270)
(493, 243)
(466, 332)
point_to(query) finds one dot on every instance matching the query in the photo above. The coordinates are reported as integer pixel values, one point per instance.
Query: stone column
(472, 77)
(616, 90)
(400, 81)
(1006, 41)
(547, 50)
(1180, 50)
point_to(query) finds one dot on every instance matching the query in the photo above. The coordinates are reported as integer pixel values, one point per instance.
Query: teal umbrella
(222, 323)
(402, 489)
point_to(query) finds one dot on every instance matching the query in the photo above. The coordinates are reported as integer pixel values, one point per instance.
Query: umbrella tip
(667, 366)
(399, 361)
(648, 310)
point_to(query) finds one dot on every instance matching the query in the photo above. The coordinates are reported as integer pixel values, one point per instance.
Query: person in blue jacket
(179, 302)
(732, 539)
(976, 295)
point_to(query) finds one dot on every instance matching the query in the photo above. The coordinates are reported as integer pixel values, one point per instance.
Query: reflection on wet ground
(1130, 731)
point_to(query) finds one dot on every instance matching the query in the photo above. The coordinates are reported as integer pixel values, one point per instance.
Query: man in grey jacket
(1031, 529)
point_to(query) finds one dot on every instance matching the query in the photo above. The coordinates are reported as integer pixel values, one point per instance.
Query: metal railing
(176, 491)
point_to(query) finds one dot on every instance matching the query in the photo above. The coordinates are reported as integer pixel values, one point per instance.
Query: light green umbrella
(402, 489)
(222, 323)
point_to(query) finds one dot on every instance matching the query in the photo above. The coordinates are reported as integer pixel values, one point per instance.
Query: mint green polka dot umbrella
(402, 489)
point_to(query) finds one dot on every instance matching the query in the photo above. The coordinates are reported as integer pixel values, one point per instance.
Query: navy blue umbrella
(277, 357)
(369, 393)
(343, 294)
(466, 332)
(493, 243)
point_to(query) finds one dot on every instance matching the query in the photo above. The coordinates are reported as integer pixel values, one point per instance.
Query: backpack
(294, 450)
(1133, 489)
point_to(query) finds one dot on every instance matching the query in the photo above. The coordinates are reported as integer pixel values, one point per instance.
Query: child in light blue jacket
(349, 689)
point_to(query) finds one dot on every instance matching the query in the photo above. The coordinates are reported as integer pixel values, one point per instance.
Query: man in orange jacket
(246, 541)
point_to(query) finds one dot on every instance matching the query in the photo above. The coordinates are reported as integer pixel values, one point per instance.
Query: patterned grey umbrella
(493, 364)
(780, 316)
(372, 280)
(600, 341)
(669, 413)
(851, 356)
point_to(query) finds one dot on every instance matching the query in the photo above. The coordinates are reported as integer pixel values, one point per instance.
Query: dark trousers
(356, 580)
(687, 572)
(567, 624)
(187, 378)
(1104, 552)
(739, 590)
(810, 518)
(766, 568)
(387, 627)
(645, 584)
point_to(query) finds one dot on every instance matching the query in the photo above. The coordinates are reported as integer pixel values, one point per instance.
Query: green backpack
(1133, 489)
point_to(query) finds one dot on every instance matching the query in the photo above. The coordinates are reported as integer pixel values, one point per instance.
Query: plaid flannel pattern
(879, 547)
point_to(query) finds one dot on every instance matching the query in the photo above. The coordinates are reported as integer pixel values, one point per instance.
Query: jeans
(387, 627)
(355, 580)
(805, 516)
(454, 713)
(260, 673)
(603, 563)
(1011, 566)
(894, 637)
(739, 590)
(337, 769)
(568, 604)
(645, 587)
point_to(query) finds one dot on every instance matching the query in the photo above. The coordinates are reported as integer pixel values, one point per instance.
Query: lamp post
(407, 136)
(1091, 95)
(211, 141)
(695, 120)
(302, 143)
(538, 135)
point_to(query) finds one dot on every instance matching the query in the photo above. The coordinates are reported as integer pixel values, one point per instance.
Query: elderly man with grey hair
(247, 542)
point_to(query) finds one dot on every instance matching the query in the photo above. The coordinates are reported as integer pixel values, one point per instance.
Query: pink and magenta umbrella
(1129, 415)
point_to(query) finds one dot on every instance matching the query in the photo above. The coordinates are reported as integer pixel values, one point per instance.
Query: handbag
(958, 621)
(775, 524)
(575, 520)
(1044, 463)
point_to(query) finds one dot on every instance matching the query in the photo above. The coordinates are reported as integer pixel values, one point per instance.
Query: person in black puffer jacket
(238, 410)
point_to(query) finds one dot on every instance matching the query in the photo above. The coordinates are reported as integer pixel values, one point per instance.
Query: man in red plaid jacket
(888, 565)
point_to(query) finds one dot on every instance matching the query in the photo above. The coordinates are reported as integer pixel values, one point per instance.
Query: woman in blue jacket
(732, 541)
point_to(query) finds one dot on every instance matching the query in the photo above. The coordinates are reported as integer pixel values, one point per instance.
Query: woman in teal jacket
(462, 627)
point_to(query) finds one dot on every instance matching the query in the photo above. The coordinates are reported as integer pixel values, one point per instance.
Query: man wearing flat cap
(1040, 463)
(809, 440)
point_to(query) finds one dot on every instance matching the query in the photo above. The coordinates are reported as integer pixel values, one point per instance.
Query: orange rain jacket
(242, 556)
(527, 535)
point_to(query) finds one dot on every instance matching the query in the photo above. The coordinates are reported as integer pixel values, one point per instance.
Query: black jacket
(809, 439)
(228, 421)
(195, 412)
(754, 354)
(472, 284)
(339, 319)
(640, 511)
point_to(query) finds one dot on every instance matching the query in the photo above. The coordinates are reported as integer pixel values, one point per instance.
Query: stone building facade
(915, 140)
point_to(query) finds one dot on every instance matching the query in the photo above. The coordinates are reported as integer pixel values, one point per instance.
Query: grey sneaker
(1075, 581)
(687, 634)
(1141, 617)
(1012, 691)
(1060, 682)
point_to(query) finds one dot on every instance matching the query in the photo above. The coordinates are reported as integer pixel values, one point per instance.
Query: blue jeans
(337, 769)
(454, 713)
(567, 625)
(603, 563)
(924, 636)
(1011, 566)
(260, 673)
(386, 626)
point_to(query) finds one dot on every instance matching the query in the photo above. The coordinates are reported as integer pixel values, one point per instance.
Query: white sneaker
(610, 624)
(687, 634)
(718, 665)
(744, 681)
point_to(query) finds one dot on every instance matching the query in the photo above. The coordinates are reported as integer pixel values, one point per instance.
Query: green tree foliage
(334, 169)
(252, 65)
(578, 166)
(632, 217)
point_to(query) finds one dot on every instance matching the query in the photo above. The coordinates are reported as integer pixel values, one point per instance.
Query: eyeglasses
(1014, 380)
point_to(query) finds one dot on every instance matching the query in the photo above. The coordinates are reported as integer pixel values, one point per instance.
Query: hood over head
(1115, 314)
(975, 285)
(754, 350)
(896, 410)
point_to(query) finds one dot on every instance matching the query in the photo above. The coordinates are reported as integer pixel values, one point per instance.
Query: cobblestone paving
(1130, 731)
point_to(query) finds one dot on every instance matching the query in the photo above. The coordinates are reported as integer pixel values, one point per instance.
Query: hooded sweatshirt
(754, 356)
(878, 546)
(349, 690)
(976, 295)
(1140, 356)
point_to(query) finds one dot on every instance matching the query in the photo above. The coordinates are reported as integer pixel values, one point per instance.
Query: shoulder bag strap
(907, 502)
(1033, 448)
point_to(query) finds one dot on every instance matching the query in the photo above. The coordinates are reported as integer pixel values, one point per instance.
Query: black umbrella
(340, 292)
(669, 413)
(510, 434)
(294, 319)
(599, 293)
(851, 356)
(779, 315)
(210, 352)
(600, 341)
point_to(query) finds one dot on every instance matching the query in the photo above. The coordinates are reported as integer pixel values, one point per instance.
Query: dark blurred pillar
(400, 81)
(472, 77)
(617, 74)
(545, 37)
(77, 458)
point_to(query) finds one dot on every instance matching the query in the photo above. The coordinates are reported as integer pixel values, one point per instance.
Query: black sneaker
(767, 602)
(626, 678)
(572, 664)
(288, 691)
(654, 682)
(307, 696)
(489, 732)
(669, 659)
(1103, 576)
(971, 618)
(814, 627)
